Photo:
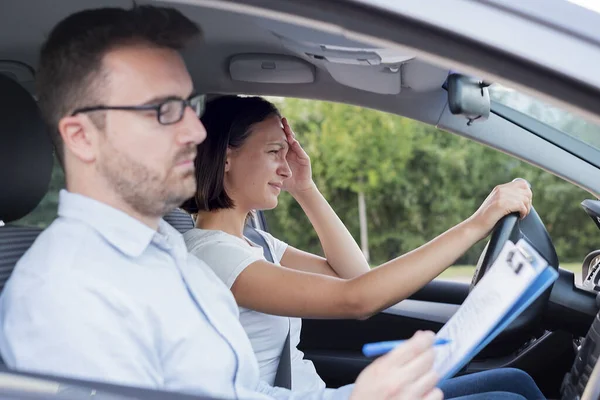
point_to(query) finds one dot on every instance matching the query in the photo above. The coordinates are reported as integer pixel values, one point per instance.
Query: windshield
(561, 120)
(564, 121)
(592, 5)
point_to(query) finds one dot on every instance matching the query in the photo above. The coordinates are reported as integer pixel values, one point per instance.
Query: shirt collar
(124, 232)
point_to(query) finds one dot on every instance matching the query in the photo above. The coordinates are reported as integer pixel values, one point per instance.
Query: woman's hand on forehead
(289, 133)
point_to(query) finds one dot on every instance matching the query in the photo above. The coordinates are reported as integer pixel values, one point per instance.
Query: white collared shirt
(101, 296)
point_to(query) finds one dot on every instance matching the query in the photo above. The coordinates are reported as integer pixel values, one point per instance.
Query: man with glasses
(109, 292)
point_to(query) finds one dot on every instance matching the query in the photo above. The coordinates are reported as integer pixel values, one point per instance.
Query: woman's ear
(228, 159)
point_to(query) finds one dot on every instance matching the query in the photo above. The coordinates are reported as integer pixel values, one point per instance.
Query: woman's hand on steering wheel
(515, 196)
(299, 162)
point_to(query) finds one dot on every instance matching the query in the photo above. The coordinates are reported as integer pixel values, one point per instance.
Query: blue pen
(379, 348)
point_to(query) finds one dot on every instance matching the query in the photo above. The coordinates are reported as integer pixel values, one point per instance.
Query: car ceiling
(414, 90)
(227, 34)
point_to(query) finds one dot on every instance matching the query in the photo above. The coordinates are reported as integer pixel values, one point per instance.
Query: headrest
(25, 152)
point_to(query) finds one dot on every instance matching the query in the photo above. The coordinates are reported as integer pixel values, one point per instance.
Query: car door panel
(334, 346)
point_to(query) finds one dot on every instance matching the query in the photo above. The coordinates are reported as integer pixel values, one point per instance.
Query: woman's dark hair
(228, 121)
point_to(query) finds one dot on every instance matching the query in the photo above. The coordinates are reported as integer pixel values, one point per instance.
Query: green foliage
(418, 182)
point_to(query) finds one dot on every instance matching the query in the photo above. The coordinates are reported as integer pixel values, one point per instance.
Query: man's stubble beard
(144, 190)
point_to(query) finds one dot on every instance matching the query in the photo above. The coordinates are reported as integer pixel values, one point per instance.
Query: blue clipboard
(539, 285)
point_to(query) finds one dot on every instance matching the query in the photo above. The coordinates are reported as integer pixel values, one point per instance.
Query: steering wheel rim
(507, 228)
(532, 229)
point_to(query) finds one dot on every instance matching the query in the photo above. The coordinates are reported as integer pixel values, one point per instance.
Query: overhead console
(270, 68)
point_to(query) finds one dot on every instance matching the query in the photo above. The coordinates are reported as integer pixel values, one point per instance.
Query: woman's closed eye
(279, 151)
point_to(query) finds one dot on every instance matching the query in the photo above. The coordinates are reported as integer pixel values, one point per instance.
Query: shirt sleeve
(108, 341)
(225, 258)
(279, 247)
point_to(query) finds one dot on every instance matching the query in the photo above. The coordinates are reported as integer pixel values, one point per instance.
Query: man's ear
(79, 135)
(228, 159)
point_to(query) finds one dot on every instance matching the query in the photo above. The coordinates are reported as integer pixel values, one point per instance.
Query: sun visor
(379, 79)
(370, 69)
(357, 64)
(422, 77)
(270, 68)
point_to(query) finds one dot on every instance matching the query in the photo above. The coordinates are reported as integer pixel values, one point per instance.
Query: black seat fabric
(25, 152)
(25, 169)
(14, 242)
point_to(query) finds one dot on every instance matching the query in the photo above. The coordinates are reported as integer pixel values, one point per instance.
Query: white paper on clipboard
(517, 277)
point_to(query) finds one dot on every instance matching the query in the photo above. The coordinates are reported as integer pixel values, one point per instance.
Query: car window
(563, 121)
(416, 182)
(46, 211)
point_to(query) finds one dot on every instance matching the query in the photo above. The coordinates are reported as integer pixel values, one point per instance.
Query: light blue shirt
(101, 296)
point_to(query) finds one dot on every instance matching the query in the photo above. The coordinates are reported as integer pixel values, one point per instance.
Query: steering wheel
(533, 230)
(506, 229)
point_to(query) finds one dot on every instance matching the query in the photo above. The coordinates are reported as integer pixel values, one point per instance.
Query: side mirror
(468, 97)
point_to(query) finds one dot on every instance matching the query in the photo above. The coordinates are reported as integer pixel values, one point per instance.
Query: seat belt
(283, 377)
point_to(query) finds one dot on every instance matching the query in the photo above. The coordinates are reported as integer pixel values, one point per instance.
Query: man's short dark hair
(70, 71)
(228, 121)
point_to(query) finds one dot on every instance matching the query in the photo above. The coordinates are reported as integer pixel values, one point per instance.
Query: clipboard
(516, 279)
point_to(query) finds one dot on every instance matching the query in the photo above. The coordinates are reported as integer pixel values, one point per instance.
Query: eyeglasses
(169, 111)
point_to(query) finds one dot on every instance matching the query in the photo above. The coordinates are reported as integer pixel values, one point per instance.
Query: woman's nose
(284, 170)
